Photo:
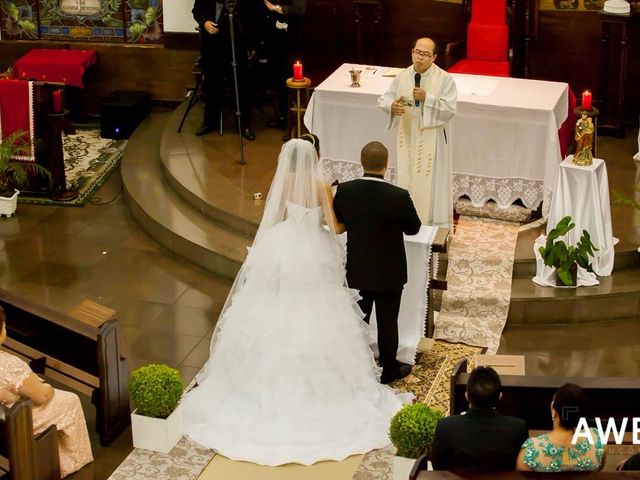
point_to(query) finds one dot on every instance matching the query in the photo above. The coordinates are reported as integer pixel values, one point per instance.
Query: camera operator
(213, 18)
(284, 29)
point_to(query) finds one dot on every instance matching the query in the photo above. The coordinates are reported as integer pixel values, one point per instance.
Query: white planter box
(157, 434)
(402, 467)
(8, 205)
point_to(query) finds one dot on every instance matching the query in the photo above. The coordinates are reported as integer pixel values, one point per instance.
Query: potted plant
(14, 173)
(156, 422)
(412, 430)
(565, 258)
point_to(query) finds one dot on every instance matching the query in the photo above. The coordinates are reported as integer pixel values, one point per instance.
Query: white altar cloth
(504, 135)
(413, 307)
(582, 193)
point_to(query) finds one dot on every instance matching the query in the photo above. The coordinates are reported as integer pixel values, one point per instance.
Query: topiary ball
(155, 390)
(412, 429)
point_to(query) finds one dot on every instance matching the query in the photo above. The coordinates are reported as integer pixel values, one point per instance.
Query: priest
(420, 101)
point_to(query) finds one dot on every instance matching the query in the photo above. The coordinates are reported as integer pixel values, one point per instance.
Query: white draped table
(413, 307)
(504, 135)
(582, 193)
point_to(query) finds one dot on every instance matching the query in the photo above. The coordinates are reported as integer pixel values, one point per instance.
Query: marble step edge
(573, 310)
(622, 282)
(617, 297)
(173, 142)
(211, 261)
(209, 247)
(624, 259)
(526, 267)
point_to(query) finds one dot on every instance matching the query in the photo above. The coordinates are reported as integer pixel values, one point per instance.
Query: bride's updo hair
(314, 140)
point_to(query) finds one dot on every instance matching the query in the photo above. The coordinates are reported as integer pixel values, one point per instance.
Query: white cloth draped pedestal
(582, 193)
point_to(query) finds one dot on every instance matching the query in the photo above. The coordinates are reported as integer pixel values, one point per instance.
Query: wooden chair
(487, 42)
(30, 457)
(84, 350)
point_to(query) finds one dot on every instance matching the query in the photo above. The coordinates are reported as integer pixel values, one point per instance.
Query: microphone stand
(230, 6)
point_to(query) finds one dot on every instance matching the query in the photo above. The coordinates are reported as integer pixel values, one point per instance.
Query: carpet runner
(476, 303)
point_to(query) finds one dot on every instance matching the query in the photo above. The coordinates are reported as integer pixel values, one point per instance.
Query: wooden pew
(446, 475)
(86, 353)
(529, 397)
(30, 458)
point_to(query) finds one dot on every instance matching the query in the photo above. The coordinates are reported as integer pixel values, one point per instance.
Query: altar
(504, 135)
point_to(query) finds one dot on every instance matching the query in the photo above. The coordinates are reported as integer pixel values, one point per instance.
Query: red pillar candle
(57, 101)
(297, 71)
(586, 100)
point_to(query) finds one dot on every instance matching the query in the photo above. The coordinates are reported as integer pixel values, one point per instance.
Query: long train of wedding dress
(291, 377)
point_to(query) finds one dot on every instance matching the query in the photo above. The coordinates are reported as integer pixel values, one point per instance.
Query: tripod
(197, 93)
(231, 4)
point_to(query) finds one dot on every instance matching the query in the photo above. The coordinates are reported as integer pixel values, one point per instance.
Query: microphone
(416, 79)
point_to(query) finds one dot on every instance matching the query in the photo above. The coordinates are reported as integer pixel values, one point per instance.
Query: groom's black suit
(376, 215)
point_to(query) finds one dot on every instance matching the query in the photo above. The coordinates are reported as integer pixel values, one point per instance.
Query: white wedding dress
(291, 377)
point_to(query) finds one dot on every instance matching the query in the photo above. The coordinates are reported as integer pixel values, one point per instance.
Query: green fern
(626, 201)
(14, 173)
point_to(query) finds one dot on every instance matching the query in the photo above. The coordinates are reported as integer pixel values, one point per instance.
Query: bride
(291, 377)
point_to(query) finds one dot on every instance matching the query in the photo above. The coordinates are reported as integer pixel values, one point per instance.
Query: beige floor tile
(187, 320)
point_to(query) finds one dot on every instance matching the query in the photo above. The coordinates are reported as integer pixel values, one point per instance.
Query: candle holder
(355, 77)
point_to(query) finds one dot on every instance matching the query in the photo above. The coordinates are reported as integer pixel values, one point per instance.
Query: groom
(376, 214)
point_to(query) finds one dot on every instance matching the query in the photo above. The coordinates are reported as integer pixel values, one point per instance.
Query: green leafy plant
(557, 254)
(14, 173)
(626, 201)
(413, 428)
(155, 390)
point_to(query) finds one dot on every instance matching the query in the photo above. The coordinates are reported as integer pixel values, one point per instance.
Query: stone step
(616, 297)
(166, 216)
(199, 177)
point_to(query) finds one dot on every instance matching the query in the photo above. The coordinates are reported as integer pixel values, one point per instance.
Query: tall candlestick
(297, 71)
(57, 101)
(586, 100)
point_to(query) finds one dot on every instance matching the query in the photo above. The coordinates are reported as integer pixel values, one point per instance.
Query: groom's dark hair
(374, 156)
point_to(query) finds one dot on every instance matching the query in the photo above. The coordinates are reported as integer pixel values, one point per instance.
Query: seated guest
(631, 463)
(554, 451)
(50, 407)
(481, 439)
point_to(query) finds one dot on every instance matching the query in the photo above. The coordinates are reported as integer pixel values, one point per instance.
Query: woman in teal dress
(554, 451)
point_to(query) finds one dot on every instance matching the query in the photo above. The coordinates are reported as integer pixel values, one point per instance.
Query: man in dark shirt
(482, 439)
(213, 20)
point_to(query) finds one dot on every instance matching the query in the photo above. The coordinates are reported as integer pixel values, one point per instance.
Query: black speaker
(121, 113)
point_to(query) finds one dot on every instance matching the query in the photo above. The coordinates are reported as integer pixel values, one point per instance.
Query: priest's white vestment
(424, 141)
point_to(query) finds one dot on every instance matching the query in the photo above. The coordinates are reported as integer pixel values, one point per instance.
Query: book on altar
(391, 71)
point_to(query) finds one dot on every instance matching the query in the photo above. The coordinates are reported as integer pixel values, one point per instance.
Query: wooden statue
(584, 141)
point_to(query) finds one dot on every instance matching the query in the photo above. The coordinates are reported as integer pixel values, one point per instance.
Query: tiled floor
(59, 256)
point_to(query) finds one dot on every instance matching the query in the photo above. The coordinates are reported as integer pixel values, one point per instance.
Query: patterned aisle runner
(475, 305)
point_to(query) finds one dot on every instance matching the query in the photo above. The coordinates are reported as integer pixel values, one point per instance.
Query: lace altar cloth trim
(503, 191)
(343, 171)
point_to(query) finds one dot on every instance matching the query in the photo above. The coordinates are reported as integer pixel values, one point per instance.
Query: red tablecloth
(51, 65)
(16, 112)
